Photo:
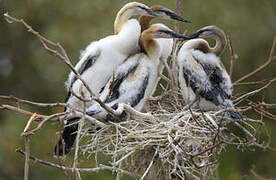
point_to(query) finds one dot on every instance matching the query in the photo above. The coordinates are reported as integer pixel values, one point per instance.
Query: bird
(203, 78)
(166, 44)
(135, 79)
(95, 71)
(97, 63)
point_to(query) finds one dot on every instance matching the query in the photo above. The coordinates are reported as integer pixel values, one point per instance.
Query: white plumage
(98, 62)
(202, 75)
(135, 80)
(100, 58)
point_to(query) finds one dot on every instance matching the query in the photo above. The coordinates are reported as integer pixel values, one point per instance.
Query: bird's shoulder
(87, 58)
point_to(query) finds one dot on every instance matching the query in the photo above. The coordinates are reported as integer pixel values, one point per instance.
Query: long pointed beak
(147, 11)
(151, 12)
(192, 36)
(172, 34)
(171, 15)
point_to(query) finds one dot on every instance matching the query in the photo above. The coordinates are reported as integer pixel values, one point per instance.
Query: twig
(12, 108)
(63, 57)
(75, 163)
(79, 97)
(233, 57)
(49, 118)
(102, 167)
(252, 170)
(151, 163)
(27, 158)
(177, 23)
(253, 83)
(270, 59)
(27, 147)
(255, 91)
(13, 98)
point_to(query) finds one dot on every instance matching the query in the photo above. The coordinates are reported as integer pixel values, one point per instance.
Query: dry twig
(269, 61)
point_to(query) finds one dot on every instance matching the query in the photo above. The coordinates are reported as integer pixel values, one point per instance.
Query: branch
(252, 170)
(16, 109)
(102, 167)
(12, 98)
(233, 57)
(155, 156)
(27, 148)
(177, 23)
(27, 158)
(56, 117)
(270, 59)
(62, 55)
(255, 91)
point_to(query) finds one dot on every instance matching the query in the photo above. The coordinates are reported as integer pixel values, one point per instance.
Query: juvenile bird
(202, 76)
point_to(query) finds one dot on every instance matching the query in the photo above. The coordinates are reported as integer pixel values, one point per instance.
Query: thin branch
(150, 165)
(178, 12)
(78, 97)
(16, 109)
(27, 158)
(13, 98)
(233, 57)
(49, 118)
(252, 170)
(270, 59)
(27, 147)
(102, 167)
(255, 91)
(63, 57)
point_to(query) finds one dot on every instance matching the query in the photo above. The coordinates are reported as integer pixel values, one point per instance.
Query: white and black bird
(165, 44)
(135, 79)
(101, 58)
(97, 63)
(202, 74)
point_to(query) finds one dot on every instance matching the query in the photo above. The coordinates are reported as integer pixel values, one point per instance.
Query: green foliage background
(28, 72)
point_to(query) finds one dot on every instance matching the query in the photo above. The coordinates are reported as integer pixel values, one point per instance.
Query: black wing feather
(215, 78)
(198, 87)
(120, 77)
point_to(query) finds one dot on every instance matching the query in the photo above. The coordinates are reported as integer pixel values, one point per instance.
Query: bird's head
(162, 31)
(166, 13)
(139, 9)
(211, 31)
(208, 32)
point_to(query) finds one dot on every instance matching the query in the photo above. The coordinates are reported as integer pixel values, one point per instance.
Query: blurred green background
(28, 72)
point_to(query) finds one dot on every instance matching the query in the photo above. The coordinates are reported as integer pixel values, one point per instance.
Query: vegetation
(26, 71)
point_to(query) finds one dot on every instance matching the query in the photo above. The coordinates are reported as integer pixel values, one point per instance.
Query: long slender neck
(149, 46)
(122, 17)
(145, 22)
(220, 46)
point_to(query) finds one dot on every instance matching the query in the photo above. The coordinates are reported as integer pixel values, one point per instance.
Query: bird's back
(201, 75)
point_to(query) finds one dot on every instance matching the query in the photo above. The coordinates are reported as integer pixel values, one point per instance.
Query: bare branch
(233, 57)
(64, 58)
(13, 98)
(252, 170)
(102, 167)
(255, 91)
(55, 117)
(12, 108)
(27, 158)
(270, 59)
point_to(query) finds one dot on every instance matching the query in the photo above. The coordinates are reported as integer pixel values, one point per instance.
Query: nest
(171, 142)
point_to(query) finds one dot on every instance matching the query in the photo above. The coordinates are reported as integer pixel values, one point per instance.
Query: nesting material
(173, 143)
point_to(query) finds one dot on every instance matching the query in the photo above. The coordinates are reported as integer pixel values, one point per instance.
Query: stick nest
(174, 143)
